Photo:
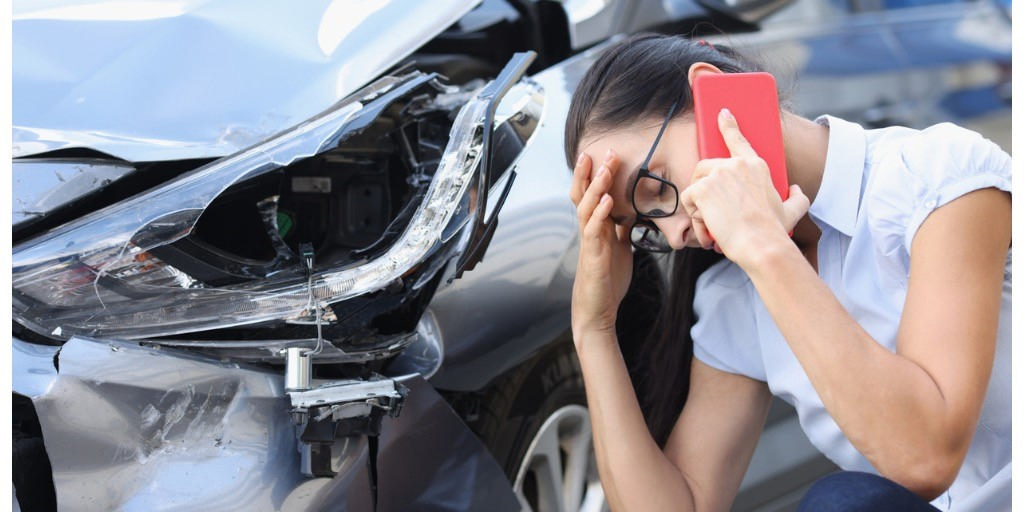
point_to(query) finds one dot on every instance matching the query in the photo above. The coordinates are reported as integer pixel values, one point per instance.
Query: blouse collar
(838, 199)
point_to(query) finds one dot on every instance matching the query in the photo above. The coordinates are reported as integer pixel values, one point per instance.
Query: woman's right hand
(606, 258)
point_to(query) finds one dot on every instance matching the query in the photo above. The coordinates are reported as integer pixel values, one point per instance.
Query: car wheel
(536, 423)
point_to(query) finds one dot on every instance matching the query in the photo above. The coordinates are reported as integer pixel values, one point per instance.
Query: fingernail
(602, 170)
(579, 159)
(605, 198)
(725, 114)
(608, 154)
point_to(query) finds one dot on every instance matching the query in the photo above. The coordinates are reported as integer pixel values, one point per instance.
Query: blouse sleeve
(725, 334)
(931, 169)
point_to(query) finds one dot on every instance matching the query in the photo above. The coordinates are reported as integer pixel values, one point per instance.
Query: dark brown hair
(636, 80)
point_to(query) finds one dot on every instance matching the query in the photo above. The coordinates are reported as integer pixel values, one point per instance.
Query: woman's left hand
(734, 199)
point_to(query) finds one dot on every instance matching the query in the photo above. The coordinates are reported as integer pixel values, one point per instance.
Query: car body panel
(257, 73)
(175, 430)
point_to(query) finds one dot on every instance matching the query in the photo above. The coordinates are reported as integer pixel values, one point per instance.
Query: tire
(535, 422)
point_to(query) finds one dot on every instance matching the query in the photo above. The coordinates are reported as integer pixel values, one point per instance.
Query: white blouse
(878, 186)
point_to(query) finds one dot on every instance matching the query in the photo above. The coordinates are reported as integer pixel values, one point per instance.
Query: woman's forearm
(635, 473)
(889, 406)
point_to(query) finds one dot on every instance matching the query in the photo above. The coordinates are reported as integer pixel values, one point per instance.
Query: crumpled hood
(155, 80)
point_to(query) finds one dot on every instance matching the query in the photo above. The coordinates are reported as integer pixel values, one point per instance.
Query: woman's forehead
(630, 148)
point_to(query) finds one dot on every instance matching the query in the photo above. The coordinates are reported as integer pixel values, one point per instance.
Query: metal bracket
(348, 391)
(340, 409)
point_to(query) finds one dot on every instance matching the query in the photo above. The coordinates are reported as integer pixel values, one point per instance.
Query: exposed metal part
(339, 409)
(319, 412)
(298, 369)
(386, 391)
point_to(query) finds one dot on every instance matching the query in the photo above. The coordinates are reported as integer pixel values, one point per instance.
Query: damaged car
(258, 263)
(318, 255)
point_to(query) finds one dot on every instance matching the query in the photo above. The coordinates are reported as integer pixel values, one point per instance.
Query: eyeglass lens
(654, 197)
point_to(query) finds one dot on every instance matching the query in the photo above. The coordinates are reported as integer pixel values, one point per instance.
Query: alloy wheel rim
(559, 470)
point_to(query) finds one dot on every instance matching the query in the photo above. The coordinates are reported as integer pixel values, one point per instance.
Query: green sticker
(284, 224)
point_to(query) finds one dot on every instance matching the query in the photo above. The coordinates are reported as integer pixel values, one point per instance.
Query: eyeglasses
(653, 197)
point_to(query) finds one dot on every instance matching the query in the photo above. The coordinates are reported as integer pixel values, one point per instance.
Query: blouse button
(931, 203)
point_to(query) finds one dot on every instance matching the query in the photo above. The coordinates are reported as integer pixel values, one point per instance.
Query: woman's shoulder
(937, 153)
(913, 172)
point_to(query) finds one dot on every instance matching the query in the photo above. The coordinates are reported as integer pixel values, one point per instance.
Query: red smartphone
(753, 100)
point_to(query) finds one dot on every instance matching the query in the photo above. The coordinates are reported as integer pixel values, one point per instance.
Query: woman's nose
(674, 228)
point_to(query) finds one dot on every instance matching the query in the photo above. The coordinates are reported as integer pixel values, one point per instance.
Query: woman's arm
(707, 453)
(714, 438)
(911, 413)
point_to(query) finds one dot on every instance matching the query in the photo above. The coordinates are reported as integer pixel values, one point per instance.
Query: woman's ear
(699, 68)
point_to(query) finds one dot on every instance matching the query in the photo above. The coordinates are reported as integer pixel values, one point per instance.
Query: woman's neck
(806, 148)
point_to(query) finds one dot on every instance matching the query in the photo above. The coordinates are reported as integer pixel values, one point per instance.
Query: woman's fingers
(599, 184)
(595, 226)
(591, 197)
(581, 177)
(697, 226)
(794, 207)
(700, 231)
(734, 139)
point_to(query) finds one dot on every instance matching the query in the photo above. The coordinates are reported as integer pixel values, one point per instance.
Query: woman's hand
(606, 259)
(734, 199)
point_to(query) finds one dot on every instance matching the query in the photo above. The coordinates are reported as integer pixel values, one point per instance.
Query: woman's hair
(636, 80)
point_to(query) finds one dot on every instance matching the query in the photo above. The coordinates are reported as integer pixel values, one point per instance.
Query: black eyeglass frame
(642, 219)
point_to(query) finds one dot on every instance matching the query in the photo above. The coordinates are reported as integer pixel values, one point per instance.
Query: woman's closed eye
(652, 193)
(652, 188)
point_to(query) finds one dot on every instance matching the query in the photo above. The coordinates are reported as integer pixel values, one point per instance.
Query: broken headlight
(386, 186)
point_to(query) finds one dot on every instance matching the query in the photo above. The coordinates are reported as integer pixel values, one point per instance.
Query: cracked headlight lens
(106, 275)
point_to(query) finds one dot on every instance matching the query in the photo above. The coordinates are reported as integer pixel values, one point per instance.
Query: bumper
(136, 428)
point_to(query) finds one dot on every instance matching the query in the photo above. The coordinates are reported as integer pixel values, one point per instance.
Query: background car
(192, 178)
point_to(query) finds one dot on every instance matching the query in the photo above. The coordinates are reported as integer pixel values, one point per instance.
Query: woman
(884, 319)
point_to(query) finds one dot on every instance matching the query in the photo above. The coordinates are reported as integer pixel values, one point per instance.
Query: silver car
(318, 255)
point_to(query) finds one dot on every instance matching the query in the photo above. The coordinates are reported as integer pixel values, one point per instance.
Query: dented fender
(129, 427)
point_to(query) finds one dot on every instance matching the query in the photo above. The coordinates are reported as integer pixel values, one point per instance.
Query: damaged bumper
(136, 428)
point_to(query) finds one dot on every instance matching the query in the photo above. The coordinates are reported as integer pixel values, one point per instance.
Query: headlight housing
(157, 266)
